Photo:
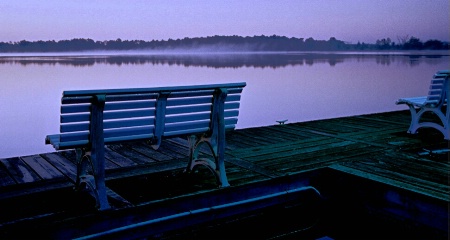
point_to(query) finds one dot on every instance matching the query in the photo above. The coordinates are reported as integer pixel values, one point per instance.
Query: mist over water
(295, 86)
(215, 59)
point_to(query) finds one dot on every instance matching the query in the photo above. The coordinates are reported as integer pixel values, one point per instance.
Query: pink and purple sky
(347, 20)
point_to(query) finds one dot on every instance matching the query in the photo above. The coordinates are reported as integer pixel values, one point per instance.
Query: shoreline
(140, 53)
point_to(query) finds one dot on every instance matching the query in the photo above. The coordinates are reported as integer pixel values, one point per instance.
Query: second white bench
(436, 103)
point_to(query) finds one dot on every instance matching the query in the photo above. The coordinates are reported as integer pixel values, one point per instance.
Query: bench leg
(217, 167)
(416, 115)
(90, 177)
(414, 125)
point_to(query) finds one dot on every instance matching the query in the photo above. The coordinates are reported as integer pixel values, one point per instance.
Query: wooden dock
(374, 151)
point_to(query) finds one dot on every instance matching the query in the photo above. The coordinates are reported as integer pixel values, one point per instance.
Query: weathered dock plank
(128, 152)
(280, 147)
(379, 175)
(293, 165)
(407, 170)
(296, 135)
(374, 147)
(43, 168)
(5, 179)
(19, 171)
(63, 164)
(71, 156)
(118, 159)
(144, 149)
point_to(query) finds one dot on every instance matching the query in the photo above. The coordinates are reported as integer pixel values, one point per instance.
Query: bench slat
(119, 132)
(76, 108)
(72, 144)
(209, 92)
(418, 102)
(196, 117)
(80, 108)
(415, 100)
(112, 92)
(110, 140)
(51, 139)
(200, 129)
(84, 126)
(83, 143)
(198, 100)
(143, 96)
(72, 118)
(199, 108)
(184, 126)
(114, 106)
(84, 117)
(435, 91)
(116, 98)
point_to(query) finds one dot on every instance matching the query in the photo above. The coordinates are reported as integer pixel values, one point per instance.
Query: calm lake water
(294, 86)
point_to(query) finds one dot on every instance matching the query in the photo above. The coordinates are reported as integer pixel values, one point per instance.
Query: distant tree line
(222, 43)
(406, 43)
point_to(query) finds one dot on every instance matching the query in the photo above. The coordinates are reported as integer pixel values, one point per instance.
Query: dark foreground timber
(357, 177)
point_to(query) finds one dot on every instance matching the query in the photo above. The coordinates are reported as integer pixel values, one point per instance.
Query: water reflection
(295, 86)
(230, 60)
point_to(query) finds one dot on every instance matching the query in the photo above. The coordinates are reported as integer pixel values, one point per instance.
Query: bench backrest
(146, 113)
(439, 88)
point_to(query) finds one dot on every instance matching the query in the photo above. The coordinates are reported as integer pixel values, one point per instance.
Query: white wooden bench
(92, 118)
(436, 103)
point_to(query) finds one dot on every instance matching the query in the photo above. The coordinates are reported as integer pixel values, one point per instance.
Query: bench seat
(91, 119)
